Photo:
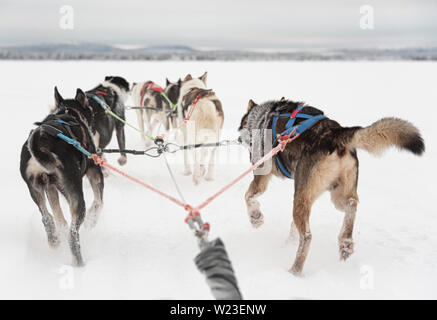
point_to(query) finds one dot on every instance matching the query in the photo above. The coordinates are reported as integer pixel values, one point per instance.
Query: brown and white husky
(323, 158)
(205, 124)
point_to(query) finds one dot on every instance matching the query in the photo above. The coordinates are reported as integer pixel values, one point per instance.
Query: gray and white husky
(323, 158)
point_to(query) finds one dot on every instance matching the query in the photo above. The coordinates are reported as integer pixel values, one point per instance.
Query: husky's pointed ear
(81, 98)
(58, 97)
(167, 82)
(179, 81)
(203, 77)
(188, 77)
(251, 105)
(283, 98)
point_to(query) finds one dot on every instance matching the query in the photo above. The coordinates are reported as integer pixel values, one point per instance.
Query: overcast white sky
(238, 24)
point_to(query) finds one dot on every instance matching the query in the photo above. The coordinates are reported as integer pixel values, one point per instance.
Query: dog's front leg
(257, 187)
(119, 128)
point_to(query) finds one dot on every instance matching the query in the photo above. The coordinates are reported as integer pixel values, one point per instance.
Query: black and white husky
(114, 91)
(49, 165)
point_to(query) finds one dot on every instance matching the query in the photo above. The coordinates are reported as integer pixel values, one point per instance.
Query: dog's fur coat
(49, 164)
(204, 126)
(323, 158)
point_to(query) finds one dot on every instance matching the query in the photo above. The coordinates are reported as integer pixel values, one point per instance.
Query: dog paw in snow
(122, 160)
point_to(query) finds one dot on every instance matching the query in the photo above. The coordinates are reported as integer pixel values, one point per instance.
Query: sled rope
(284, 140)
(156, 152)
(160, 144)
(188, 116)
(112, 114)
(141, 108)
(193, 211)
(213, 260)
(99, 161)
(172, 105)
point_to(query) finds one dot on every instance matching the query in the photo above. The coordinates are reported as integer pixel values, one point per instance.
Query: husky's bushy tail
(385, 133)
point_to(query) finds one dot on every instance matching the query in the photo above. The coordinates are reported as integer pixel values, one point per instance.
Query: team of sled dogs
(323, 158)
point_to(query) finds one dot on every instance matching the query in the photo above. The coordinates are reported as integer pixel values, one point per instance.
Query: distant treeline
(410, 54)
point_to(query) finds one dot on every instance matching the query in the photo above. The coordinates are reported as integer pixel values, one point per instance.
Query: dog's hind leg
(257, 187)
(345, 198)
(36, 188)
(199, 164)
(121, 139)
(187, 168)
(312, 178)
(140, 121)
(74, 193)
(148, 122)
(211, 165)
(166, 123)
(188, 133)
(53, 197)
(301, 213)
(292, 237)
(95, 177)
(153, 124)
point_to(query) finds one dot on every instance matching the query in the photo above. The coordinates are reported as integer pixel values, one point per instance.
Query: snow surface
(141, 247)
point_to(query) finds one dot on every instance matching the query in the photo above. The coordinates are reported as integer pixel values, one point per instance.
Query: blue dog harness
(289, 127)
(50, 128)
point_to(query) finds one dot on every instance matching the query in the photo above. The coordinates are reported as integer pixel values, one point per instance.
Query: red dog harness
(102, 93)
(149, 85)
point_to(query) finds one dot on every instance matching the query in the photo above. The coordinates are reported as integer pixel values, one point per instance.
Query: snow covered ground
(141, 247)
